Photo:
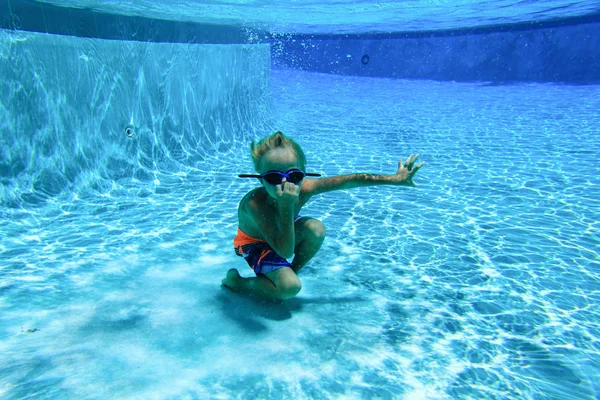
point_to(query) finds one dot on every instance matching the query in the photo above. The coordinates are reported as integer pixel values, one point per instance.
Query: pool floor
(482, 282)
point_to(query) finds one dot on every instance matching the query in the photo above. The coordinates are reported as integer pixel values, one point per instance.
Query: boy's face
(279, 159)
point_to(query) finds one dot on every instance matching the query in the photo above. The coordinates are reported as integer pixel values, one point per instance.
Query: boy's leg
(280, 284)
(283, 283)
(310, 234)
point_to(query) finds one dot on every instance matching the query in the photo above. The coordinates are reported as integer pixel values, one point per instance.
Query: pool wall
(29, 15)
(565, 50)
(569, 54)
(93, 110)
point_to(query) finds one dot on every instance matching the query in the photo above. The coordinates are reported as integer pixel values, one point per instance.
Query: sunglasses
(294, 176)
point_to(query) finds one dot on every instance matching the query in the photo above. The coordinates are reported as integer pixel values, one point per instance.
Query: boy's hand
(407, 171)
(287, 193)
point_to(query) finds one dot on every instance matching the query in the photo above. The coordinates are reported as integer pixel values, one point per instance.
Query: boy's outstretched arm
(403, 177)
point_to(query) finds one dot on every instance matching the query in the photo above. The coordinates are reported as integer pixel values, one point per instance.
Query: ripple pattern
(481, 283)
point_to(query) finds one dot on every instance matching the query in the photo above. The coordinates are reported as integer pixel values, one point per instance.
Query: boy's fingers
(287, 187)
(415, 168)
(410, 161)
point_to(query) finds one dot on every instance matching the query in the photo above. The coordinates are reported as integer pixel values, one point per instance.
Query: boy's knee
(289, 289)
(316, 228)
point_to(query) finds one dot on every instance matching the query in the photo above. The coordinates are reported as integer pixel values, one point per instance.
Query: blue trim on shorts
(270, 262)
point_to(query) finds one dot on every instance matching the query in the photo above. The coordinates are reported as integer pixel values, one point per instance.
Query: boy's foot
(231, 279)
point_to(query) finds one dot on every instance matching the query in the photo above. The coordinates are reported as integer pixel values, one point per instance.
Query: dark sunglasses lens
(296, 177)
(273, 178)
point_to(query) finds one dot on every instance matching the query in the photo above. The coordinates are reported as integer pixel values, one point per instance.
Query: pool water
(335, 16)
(119, 207)
(482, 282)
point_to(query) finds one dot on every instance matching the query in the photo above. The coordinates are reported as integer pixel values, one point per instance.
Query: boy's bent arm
(403, 177)
(277, 229)
(282, 239)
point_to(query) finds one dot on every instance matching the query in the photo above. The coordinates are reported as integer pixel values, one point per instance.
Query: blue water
(482, 282)
(343, 17)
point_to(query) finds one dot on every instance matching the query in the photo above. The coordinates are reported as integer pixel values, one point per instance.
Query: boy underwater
(270, 229)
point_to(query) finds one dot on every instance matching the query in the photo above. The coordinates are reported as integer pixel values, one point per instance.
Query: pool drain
(130, 130)
(365, 59)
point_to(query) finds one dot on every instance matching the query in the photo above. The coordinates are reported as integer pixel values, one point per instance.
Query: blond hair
(274, 141)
